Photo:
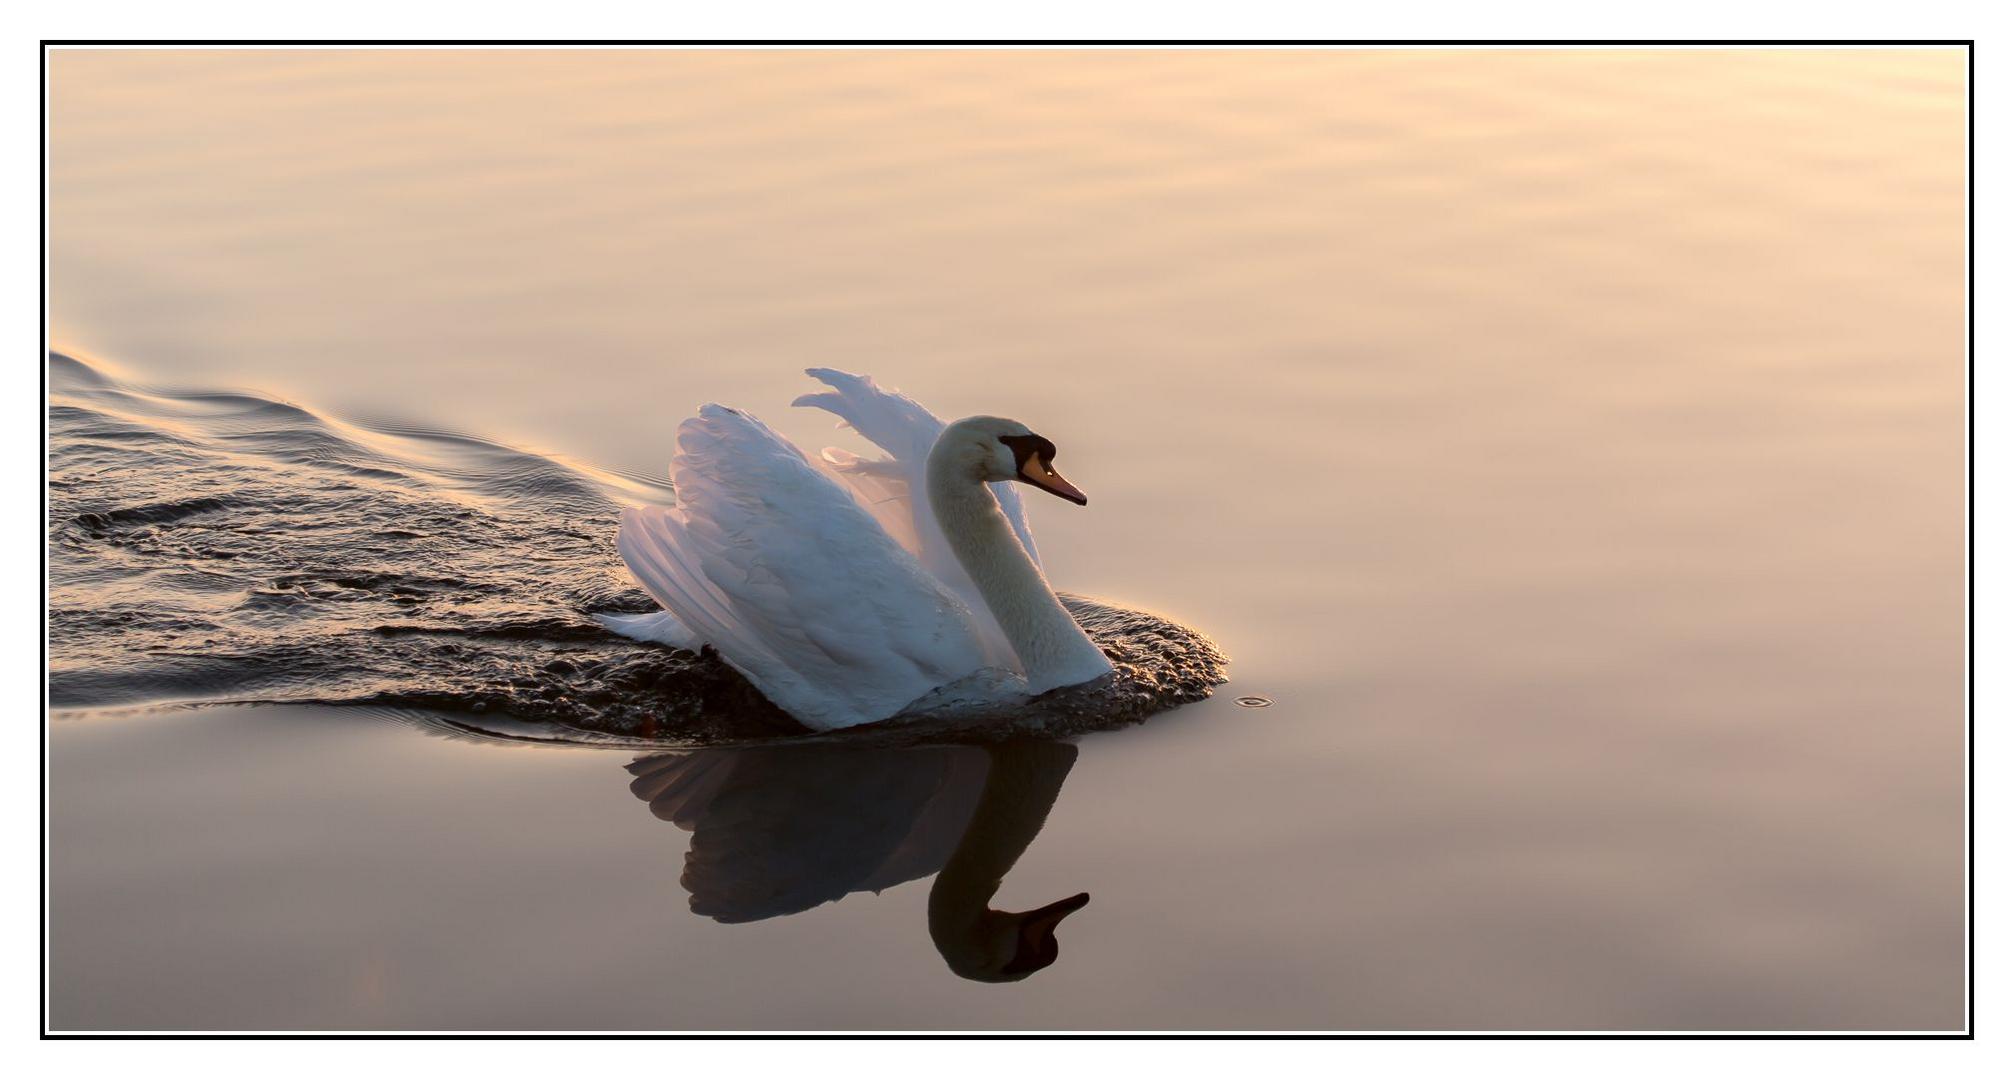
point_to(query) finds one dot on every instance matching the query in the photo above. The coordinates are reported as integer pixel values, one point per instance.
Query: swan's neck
(1051, 646)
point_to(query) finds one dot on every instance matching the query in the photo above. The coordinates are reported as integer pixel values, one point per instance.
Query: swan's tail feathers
(889, 419)
(659, 626)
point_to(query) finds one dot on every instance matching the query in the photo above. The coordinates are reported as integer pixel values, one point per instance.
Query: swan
(832, 587)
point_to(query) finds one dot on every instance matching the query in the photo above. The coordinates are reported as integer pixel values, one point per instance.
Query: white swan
(840, 595)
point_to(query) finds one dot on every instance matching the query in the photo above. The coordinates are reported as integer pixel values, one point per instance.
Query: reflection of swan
(778, 830)
(846, 606)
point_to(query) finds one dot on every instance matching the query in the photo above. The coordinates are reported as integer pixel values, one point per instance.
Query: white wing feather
(792, 580)
(900, 425)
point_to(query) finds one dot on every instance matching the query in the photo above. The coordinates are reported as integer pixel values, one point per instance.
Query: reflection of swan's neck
(1021, 786)
(1051, 646)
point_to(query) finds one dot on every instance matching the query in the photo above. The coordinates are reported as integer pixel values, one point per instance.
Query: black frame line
(1971, 973)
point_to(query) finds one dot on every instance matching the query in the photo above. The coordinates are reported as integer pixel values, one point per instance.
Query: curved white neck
(1051, 646)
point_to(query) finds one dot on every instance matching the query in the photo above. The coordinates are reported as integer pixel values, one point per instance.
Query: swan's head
(1008, 946)
(997, 449)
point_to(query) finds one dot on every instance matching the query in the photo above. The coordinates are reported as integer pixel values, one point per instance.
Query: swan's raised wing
(782, 571)
(900, 425)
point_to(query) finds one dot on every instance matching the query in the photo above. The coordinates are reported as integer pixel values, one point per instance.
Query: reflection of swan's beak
(1043, 919)
(1035, 947)
(1043, 475)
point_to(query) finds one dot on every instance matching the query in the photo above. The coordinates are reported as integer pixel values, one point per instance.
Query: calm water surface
(1570, 444)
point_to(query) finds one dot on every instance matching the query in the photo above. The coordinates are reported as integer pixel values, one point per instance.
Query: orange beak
(1043, 475)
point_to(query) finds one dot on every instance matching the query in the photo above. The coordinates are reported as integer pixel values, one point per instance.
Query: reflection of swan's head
(1007, 946)
(978, 941)
(990, 448)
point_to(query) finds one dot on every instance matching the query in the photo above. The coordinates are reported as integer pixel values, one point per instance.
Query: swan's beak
(1043, 475)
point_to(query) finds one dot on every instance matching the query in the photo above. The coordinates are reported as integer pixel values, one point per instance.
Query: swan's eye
(1031, 452)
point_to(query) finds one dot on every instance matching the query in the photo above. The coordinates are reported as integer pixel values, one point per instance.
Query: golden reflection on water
(1569, 441)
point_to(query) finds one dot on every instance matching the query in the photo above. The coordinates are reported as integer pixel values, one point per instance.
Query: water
(1569, 445)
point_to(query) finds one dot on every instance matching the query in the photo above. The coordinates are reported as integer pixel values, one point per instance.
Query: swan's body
(840, 594)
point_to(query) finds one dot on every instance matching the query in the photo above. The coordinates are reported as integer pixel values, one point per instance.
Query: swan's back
(769, 560)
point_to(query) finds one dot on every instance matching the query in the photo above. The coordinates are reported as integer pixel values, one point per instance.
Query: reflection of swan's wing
(938, 828)
(777, 567)
(897, 423)
(777, 831)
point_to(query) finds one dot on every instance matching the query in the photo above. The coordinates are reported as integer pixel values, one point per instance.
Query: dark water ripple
(225, 547)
